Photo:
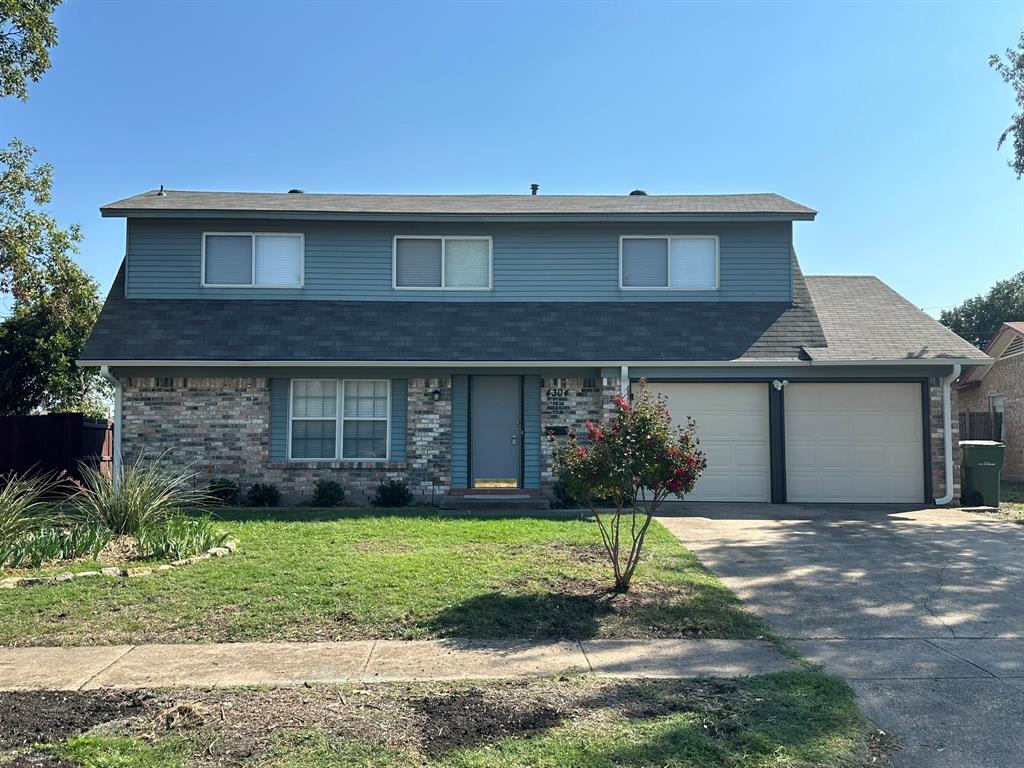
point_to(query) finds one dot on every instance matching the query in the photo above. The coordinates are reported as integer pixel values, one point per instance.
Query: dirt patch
(470, 717)
(39, 760)
(30, 717)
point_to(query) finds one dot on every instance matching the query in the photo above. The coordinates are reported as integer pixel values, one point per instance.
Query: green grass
(1011, 504)
(787, 720)
(318, 575)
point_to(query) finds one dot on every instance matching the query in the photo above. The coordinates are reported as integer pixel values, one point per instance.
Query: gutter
(947, 435)
(118, 400)
(751, 363)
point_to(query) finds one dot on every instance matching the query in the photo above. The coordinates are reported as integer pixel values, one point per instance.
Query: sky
(882, 116)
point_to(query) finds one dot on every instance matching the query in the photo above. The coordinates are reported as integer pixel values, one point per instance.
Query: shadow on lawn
(540, 616)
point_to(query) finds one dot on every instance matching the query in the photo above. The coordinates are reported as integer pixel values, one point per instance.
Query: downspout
(116, 458)
(947, 434)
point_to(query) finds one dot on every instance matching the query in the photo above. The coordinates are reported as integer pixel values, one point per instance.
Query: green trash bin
(980, 464)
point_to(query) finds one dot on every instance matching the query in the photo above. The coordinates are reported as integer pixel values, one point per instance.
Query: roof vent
(534, 188)
(638, 193)
(296, 191)
(161, 193)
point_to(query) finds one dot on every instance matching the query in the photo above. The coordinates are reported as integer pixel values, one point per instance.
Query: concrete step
(504, 502)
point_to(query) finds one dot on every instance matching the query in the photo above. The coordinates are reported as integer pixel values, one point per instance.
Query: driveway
(922, 610)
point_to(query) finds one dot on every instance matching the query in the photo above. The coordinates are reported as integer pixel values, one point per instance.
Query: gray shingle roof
(428, 205)
(423, 331)
(830, 319)
(865, 319)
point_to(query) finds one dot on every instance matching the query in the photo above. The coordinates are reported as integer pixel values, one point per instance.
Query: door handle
(513, 441)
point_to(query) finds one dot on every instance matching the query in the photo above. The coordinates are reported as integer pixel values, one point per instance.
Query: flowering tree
(629, 466)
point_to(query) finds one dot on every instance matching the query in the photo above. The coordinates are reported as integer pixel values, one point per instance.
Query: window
(242, 259)
(454, 263)
(349, 419)
(684, 263)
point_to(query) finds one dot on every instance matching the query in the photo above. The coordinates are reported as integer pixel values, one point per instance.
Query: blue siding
(399, 397)
(531, 432)
(532, 262)
(460, 431)
(279, 389)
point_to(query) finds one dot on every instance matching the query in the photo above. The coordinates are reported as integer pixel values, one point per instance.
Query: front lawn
(784, 720)
(307, 575)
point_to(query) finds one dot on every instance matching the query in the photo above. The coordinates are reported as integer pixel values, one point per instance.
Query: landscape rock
(136, 572)
(113, 571)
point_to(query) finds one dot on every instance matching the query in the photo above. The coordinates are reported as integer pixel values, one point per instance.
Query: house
(991, 398)
(289, 337)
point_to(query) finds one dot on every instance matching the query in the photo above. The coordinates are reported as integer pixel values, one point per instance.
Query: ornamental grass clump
(149, 492)
(628, 467)
(24, 509)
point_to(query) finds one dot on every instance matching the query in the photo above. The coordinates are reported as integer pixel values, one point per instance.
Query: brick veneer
(570, 402)
(220, 427)
(1006, 378)
(937, 442)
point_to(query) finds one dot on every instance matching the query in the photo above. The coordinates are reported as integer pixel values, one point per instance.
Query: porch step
(482, 502)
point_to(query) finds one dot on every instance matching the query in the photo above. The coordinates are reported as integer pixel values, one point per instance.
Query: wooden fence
(981, 425)
(56, 442)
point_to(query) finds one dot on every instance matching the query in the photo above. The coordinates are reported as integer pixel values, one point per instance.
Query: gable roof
(187, 203)
(864, 319)
(1008, 341)
(820, 325)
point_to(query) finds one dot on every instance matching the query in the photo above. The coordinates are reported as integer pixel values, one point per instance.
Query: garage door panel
(854, 442)
(732, 427)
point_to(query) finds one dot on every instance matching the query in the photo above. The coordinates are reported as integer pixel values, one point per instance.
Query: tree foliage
(633, 462)
(40, 340)
(31, 241)
(1012, 72)
(27, 33)
(978, 319)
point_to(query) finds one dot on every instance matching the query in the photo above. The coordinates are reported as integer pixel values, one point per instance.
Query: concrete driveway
(922, 610)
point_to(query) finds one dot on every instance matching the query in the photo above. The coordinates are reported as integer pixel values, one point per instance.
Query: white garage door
(732, 424)
(854, 442)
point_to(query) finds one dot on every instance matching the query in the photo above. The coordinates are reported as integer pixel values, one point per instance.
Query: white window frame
(339, 422)
(252, 268)
(442, 238)
(668, 266)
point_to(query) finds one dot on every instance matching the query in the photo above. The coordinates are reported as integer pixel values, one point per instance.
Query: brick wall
(938, 443)
(568, 403)
(1006, 378)
(221, 428)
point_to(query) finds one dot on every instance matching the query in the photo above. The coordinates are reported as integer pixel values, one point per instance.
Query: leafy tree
(633, 463)
(978, 319)
(27, 32)
(31, 241)
(1012, 72)
(41, 339)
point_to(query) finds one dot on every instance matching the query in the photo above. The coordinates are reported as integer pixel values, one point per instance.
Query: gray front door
(495, 404)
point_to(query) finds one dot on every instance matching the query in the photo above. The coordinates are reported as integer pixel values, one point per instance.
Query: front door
(495, 404)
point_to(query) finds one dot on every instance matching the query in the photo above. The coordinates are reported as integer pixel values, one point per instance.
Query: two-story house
(438, 339)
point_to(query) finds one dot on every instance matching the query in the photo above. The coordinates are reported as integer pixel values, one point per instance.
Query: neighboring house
(991, 398)
(289, 337)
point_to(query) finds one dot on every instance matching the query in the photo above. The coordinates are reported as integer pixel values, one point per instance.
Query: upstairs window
(683, 263)
(247, 259)
(453, 263)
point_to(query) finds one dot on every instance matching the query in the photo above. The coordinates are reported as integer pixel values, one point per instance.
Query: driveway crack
(940, 582)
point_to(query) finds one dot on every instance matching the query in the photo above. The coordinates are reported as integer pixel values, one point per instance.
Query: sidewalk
(228, 664)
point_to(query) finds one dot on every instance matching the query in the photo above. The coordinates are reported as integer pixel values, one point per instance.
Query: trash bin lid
(980, 442)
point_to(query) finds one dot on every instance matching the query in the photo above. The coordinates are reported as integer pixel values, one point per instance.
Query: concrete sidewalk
(227, 664)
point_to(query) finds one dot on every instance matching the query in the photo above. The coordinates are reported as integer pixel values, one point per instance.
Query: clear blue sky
(882, 116)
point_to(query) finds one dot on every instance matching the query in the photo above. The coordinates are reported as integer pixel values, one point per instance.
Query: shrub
(71, 543)
(148, 492)
(179, 537)
(223, 490)
(393, 493)
(23, 509)
(635, 461)
(328, 493)
(262, 495)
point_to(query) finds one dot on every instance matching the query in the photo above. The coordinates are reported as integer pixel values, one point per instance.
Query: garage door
(854, 442)
(732, 424)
